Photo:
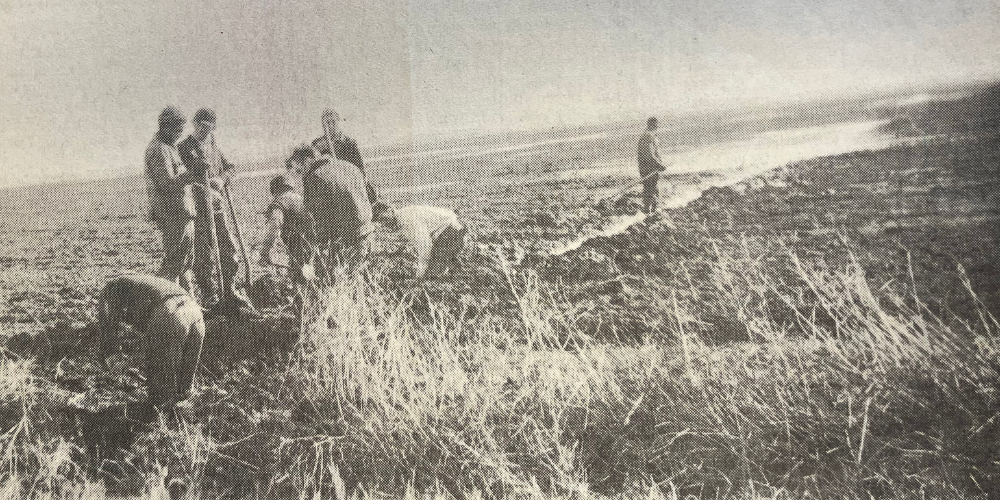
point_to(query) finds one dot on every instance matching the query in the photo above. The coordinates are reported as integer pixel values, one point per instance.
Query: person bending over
(288, 220)
(171, 327)
(434, 233)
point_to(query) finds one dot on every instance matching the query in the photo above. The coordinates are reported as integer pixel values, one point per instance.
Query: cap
(171, 115)
(205, 115)
(281, 182)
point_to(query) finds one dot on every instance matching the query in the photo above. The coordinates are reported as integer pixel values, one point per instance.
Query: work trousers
(178, 250)
(173, 340)
(650, 194)
(444, 251)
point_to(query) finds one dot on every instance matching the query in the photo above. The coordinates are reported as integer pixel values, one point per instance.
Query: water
(736, 161)
(711, 165)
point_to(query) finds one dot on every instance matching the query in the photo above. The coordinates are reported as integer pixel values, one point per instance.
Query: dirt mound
(581, 265)
(269, 292)
(626, 205)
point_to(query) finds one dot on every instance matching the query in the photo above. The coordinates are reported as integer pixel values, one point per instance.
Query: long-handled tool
(213, 234)
(630, 186)
(238, 234)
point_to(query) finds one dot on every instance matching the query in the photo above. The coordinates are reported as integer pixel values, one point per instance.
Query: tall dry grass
(843, 389)
(837, 390)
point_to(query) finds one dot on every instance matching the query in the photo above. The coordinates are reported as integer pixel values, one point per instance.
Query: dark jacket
(297, 229)
(334, 192)
(203, 159)
(648, 153)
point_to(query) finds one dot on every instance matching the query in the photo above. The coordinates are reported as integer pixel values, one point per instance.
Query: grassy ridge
(887, 400)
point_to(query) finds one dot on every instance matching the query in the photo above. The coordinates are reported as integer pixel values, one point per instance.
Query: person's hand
(309, 272)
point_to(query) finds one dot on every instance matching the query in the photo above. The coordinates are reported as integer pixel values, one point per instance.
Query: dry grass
(844, 392)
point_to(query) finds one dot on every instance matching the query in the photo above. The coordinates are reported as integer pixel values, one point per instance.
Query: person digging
(216, 265)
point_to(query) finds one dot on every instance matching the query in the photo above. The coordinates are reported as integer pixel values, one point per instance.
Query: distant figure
(171, 200)
(171, 327)
(288, 219)
(215, 245)
(335, 143)
(650, 166)
(435, 233)
(334, 193)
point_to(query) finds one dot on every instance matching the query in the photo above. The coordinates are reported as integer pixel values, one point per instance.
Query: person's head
(204, 123)
(171, 124)
(331, 124)
(281, 185)
(300, 158)
(652, 123)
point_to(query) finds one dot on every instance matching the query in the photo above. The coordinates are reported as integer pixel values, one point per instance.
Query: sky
(82, 82)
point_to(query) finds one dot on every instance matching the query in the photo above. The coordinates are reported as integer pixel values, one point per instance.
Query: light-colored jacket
(168, 184)
(420, 226)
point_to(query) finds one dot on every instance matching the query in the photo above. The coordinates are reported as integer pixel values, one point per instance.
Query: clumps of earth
(626, 205)
(586, 264)
(270, 291)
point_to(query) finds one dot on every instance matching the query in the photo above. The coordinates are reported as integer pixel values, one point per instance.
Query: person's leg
(164, 339)
(650, 195)
(444, 251)
(204, 262)
(178, 250)
(189, 314)
(228, 247)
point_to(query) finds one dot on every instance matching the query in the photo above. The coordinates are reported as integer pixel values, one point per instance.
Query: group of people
(324, 211)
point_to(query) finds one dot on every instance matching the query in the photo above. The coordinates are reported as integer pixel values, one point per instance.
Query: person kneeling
(171, 326)
(435, 233)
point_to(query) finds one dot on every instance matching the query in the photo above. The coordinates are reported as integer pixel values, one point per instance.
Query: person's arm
(275, 219)
(654, 147)
(372, 195)
(352, 153)
(422, 243)
(160, 169)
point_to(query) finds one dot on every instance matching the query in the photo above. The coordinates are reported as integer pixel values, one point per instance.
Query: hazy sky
(81, 82)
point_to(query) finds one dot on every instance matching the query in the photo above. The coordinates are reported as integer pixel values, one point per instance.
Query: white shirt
(420, 225)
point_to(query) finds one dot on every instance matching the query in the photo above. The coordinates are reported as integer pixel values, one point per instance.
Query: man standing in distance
(336, 144)
(215, 272)
(171, 200)
(650, 166)
(335, 195)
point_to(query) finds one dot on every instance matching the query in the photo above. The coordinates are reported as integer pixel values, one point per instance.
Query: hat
(205, 115)
(171, 115)
(281, 182)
